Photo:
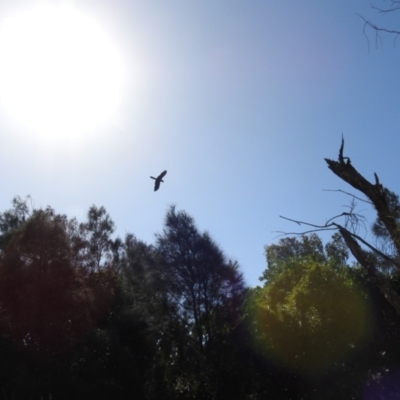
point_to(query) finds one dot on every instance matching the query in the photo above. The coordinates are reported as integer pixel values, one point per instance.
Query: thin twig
(337, 216)
(281, 233)
(349, 194)
(331, 226)
(382, 11)
(377, 30)
(304, 223)
(375, 250)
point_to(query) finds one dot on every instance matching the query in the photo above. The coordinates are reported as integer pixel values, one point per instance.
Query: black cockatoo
(158, 180)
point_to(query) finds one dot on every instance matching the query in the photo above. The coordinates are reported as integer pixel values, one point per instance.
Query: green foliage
(97, 232)
(84, 315)
(312, 315)
(292, 248)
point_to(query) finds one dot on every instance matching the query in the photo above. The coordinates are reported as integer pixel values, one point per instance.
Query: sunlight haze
(240, 100)
(60, 74)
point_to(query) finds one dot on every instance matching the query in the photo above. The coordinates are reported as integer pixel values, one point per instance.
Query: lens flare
(384, 384)
(313, 320)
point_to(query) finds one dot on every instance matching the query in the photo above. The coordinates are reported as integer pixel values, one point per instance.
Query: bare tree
(381, 265)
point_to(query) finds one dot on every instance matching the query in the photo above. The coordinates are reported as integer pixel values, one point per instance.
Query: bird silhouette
(158, 180)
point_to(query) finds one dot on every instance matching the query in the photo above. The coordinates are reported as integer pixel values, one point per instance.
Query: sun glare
(60, 74)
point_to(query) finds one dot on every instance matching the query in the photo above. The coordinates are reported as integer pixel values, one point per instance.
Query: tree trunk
(377, 195)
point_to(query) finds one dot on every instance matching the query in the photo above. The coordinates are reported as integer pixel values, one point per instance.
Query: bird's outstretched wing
(162, 175)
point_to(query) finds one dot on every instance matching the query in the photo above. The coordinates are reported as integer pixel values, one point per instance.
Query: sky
(240, 101)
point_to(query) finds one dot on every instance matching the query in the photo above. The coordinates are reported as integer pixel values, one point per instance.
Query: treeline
(86, 315)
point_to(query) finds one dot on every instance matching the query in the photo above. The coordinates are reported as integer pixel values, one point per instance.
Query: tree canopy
(84, 314)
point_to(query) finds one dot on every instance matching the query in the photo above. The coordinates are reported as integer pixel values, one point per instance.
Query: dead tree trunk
(377, 195)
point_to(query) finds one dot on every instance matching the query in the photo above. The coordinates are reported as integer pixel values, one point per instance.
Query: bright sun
(60, 73)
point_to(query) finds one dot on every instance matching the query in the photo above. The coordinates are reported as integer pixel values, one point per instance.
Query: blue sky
(240, 101)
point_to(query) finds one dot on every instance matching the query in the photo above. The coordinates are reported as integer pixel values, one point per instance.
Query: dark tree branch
(374, 192)
(384, 286)
(386, 212)
(374, 249)
(377, 29)
(329, 226)
(388, 10)
(377, 194)
(349, 194)
(343, 214)
(361, 256)
(304, 232)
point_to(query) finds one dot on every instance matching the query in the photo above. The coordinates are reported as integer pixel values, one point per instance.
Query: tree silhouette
(48, 300)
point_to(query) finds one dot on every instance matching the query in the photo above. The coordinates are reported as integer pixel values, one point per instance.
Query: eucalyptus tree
(311, 246)
(323, 320)
(204, 293)
(313, 317)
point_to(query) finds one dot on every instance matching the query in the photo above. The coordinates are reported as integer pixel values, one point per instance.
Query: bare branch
(374, 192)
(305, 223)
(382, 11)
(377, 29)
(331, 226)
(337, 216)
(374, 249)
(341, 150)
(341, 158)
(385, 203)
(349, 194)
(305, 232)
(382, 201)
(383, 284)
(352, 219)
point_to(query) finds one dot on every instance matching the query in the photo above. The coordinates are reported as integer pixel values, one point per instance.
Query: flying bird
(158, 180)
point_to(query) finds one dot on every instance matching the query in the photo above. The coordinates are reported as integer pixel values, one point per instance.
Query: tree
(43, 296)
(381, 265)
(311, 246)
(299, 315)
(12, 219)
(314, 317)
(141, 317)
(97, 231)
(204, 291)
(49, 301)
(381, 262)
(202, 284)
